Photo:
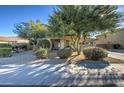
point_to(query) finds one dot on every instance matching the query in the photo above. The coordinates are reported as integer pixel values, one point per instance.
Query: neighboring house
(116, 38)
(18, 44)
(13, 40)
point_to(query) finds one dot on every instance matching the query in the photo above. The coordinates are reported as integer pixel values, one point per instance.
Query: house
(13, 40)
(111, 40)
(56, 42)
(16, 42)
(59, 43)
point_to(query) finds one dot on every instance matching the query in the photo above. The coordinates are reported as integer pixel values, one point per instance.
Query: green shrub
(65, 52)
(44, 43)
(41, 53)
(5, 52)
(5, 45)
(95, 53)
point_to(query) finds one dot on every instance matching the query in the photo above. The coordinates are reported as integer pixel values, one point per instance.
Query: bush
(5, 45)
(5, 52)
(44, 43)
(65, 52)
(95, 53)
(41, 53)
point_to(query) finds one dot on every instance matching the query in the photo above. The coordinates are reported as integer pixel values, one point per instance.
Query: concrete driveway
(23, 69)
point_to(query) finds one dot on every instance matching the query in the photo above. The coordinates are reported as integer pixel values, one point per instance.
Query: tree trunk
(78, 45)
(81, 44)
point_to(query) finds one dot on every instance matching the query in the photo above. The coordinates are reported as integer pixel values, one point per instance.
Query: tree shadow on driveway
(54, 72)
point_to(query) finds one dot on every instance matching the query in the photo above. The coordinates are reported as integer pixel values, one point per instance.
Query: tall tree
(30, 30)
(83, 21)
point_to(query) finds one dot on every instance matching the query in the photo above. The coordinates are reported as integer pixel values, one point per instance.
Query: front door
(55, 44)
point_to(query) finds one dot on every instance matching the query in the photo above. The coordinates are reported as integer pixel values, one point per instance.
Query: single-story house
(13, 40)
(16, 42)
(56, 42)
(59, 43)
(111, 40)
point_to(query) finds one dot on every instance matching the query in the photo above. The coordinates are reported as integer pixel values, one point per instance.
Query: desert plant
(65, 52)
(95, 53)
(5, 52)
(41, 53)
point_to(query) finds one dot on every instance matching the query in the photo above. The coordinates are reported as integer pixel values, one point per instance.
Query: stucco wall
(61, 43)
(115, 38)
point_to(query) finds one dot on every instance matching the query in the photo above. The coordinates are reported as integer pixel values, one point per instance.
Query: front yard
(23, 69)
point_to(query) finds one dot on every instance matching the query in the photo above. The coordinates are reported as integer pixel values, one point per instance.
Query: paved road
(116, 54)
(24, 70)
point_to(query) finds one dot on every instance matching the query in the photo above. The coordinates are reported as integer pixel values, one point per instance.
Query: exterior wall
(13, 40)
(68, 39)
(115, 38)
(61, 44)
(3, 42)
(23, 41)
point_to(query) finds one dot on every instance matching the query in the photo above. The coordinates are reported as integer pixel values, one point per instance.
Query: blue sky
(10, 15)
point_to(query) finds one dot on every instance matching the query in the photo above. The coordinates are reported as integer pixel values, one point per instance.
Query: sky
(10, 15)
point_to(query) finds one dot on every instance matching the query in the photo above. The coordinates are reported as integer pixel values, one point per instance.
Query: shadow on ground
(54, 72)
(93, 64)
